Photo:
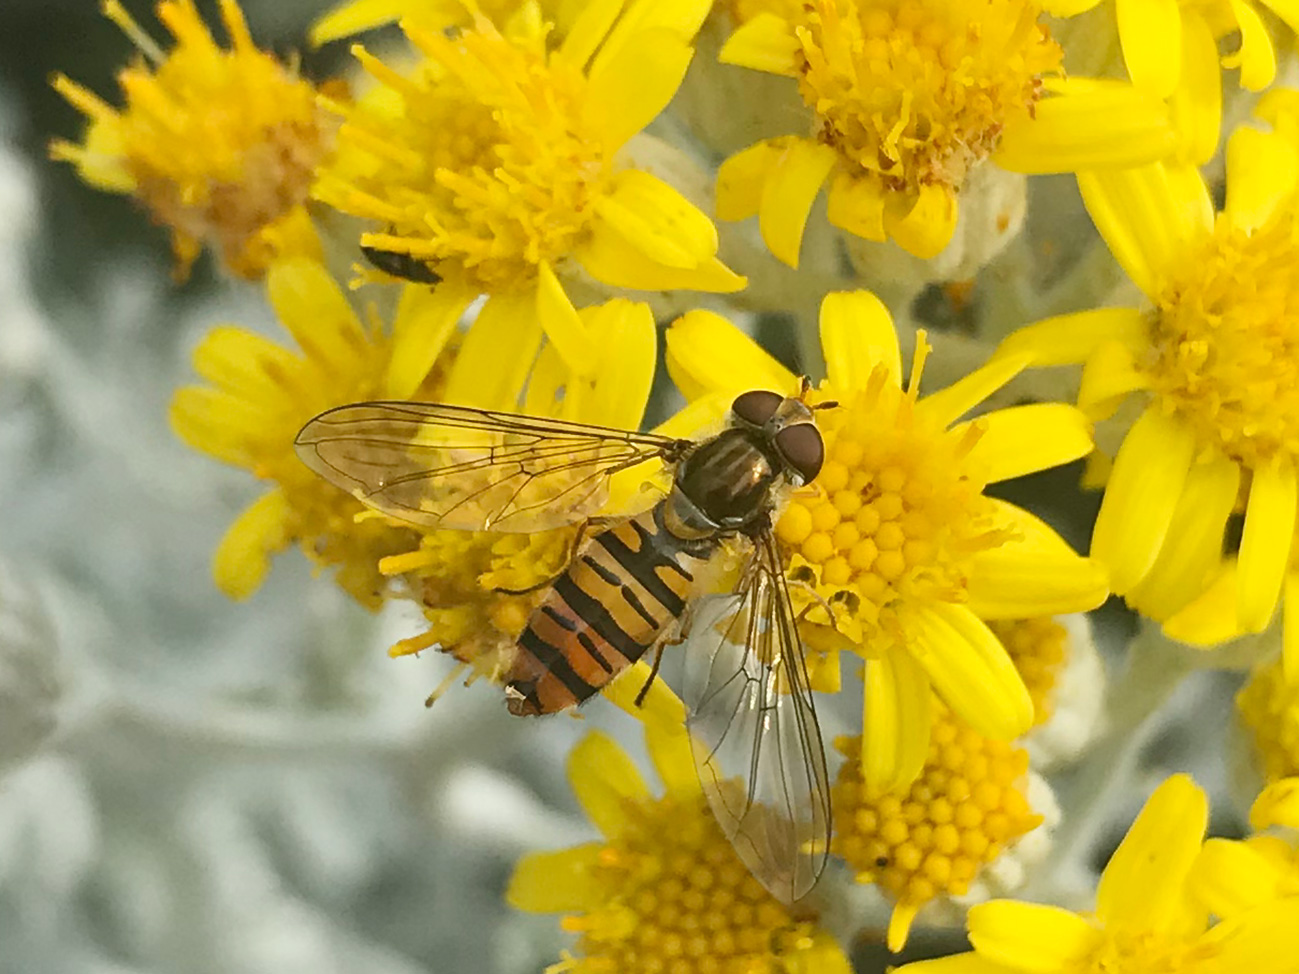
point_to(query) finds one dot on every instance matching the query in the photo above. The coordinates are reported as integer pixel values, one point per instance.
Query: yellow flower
(662, 891)
(494, 161)
(260, 395)
(217, 144)
(896, 535)
(968, 805)
(1268, 706)
(1145, 918)
(1233, 877)
(1215, 358)
(907, 98)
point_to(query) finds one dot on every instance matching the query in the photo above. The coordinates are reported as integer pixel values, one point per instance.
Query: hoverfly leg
(445, 685)
(573, 549)
(654, 672)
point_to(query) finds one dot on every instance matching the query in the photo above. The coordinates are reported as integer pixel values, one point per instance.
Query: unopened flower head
(895, 537)
(907, 98)
(662, 890)
(1268, 706)
(1214, 357)
(932, 839)
(218, 144)
(1039, 649)
(1146, 918)
(494, 160)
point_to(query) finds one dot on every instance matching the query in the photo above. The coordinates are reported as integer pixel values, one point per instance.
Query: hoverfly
(625, 591)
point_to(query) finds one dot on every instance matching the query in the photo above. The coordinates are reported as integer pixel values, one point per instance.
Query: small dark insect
(405, 266)
(636, 582)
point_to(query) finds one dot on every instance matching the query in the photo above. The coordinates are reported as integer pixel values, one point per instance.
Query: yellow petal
(1230, 878)
(629, 89)
(947, 405)
(969, 668)
(966, 963)
(657, 220)
(496, 355)
(1290, 628)
(242, 363)
(857, 205)
(1150, 32)
(1067, 8)
(1266, 542)
(589, 31)
(741, 177)
(311, 306)
(1066, 339)
(764, 43)
(671, 751)
(1025, 439)
(1149, 474)
(425, 320)
(355, 16)
(1152, 217)
(610, 258)
(1264, 939)
(563, 325)
(242, 559)
(857, 334)
(678, 18)
(1277, 804)
(706, 353)
(1255, 56)
(1192, 547)
(557, 882)
(926, 228)
(1035, 574)
(788, 194)
(1262, 172)
(1088, 124)
(1031, 937)
(1110, 375)
(1142, 886)
(1287, 10)
(900, 921)
(1197, 102)
(628, 340)
(1211, 618)
(896, 721)
(605, 782)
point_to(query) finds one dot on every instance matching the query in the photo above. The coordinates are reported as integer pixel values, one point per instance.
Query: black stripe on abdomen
(642, 565)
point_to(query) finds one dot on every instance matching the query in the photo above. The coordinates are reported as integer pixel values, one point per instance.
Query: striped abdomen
(626, 587)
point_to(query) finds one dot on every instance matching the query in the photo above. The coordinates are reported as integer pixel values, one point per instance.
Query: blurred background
(189, 784)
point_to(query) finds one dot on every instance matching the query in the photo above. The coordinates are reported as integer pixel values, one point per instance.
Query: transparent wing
(757, 743)
(471, 469)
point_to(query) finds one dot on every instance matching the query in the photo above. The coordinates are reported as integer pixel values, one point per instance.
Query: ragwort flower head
(907, 97)
(1146, 919)
(356, 16)
(218, 144)
(1268, 706)
(968, 806)
(495, 160)
(260, 396)
(663, 892)
(896, 537)
(1214, 358)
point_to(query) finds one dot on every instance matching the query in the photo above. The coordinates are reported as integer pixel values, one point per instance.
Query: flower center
(918, 93)
(1038, 649)
(965, 808)
(897, 514)
(489, 167)
(1226, 342)
(681, 901)
(1148, 952)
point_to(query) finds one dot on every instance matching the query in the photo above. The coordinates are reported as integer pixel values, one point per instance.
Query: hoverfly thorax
(726, 483)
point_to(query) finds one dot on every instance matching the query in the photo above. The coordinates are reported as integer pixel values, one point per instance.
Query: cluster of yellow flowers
(500, 210)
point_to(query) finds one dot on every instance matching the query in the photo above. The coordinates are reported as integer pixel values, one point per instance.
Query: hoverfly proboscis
(634, 581)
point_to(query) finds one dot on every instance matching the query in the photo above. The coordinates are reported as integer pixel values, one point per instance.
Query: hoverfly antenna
(828, 404)
(805, 386)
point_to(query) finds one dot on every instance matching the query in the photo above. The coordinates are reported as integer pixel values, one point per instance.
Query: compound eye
(800, 446)
(756, 407)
